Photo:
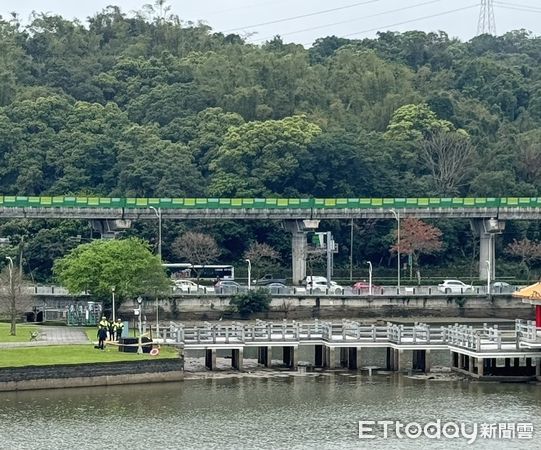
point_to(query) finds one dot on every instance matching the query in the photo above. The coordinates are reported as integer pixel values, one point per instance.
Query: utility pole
(487, 22)
(158, 213)
(329, 258)
(351, 251)
(21, 250)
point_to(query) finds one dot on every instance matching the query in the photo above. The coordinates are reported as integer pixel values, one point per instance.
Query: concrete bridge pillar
(350, 357)
(538, 369)
(428, 361)
(487, 229)
(268, 357)
(237, 358)
(110, 228)
(210, 358)
(330, 358)
(264, 356)
(453, 359)
(399, 360)
(481, 367)
(298, 230)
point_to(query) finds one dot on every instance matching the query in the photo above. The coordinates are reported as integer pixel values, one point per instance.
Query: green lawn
(23, 332)
(72, 354)
(92, 333)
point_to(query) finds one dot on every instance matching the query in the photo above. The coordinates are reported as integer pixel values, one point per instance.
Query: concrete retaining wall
(97, 374)
(214, 307)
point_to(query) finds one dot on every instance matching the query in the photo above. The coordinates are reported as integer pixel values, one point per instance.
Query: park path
(52, 336)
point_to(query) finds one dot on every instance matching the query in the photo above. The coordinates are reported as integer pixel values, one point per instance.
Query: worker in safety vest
(119, 327)
(103, 326)
(112, 329)
(103, 323)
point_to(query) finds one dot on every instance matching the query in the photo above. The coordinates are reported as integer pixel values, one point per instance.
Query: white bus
(189, 271)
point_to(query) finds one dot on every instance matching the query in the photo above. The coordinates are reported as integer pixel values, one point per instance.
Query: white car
(189, 286)
(454, 287)
(320, 285)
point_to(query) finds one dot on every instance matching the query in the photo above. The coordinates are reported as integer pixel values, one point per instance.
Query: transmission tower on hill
(487, 22)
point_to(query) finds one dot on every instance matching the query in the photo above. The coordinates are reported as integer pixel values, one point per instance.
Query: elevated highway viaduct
(299, 215)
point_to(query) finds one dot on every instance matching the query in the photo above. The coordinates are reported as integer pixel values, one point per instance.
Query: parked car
(313, 279)
(269, 279)
(364, 286)
(189, 286)
(226, 286)
(319, 284)
(275, 288)
(454, 287)
(501, 287)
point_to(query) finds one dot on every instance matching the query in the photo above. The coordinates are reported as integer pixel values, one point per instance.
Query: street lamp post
(113, 291)
(139, 346)
(249, 274)
(369, 278)
(12, 297)
(157, 321)
(158, 213)
(488, 276)
(397, 217)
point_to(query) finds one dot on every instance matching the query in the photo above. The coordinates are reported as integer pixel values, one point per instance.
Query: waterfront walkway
(479, 351)
(51, 336)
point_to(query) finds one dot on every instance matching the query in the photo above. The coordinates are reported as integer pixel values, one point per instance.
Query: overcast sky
(303, 21)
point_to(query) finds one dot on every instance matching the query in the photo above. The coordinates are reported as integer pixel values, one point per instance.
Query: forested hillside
(143, 105)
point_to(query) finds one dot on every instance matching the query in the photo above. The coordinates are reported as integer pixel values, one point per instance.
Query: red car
(364, 286)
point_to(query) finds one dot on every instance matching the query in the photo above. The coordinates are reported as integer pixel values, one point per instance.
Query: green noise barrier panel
(13, 201)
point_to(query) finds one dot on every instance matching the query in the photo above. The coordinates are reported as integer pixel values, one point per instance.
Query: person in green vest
(119, 327)
(112, 329)
(103, 323)
(103, 326)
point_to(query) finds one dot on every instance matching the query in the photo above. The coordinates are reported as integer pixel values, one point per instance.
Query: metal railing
(485, 338)
(377, 291)
(526, 331)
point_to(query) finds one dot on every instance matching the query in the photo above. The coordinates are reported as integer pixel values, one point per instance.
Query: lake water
(273, 410)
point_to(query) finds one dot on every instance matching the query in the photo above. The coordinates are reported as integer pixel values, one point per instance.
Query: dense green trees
(125, 264)
(260, 159)
(142, 104)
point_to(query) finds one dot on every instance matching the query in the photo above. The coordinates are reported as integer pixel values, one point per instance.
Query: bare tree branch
(14, 297)
(196, 248)
(447, 157)
(262, 257)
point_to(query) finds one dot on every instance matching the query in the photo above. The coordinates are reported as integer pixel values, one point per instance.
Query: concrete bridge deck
(502, 213)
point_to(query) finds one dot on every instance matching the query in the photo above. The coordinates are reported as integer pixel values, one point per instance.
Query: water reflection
(277, 411)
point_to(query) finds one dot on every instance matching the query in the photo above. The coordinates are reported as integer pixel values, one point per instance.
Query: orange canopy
(532, 292)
